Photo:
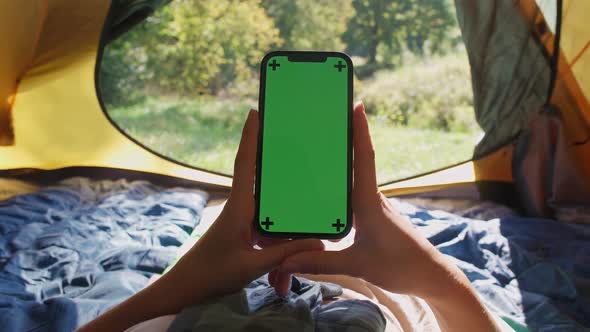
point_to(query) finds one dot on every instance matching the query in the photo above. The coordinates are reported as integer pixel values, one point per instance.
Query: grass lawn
(206, 132)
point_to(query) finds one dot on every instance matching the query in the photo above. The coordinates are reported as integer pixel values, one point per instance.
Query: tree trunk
(373, 50)
(377, 12)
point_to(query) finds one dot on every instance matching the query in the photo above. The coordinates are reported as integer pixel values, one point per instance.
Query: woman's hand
(387, 251)
(390, 253)
(224, 260)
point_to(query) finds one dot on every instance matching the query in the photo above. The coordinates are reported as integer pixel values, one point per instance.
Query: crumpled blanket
(531, 271)
(258, 308)
(71, 251)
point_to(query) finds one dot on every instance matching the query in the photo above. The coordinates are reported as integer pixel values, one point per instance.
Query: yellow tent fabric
(572, 87)
(57, 120)
(18, 35)
(575, 41)
(573, 83)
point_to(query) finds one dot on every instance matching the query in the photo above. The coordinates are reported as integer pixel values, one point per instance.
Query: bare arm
(443, 286)
(165, 296)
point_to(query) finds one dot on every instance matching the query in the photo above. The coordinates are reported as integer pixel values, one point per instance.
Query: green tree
(214, 43)
(428, 21)
(311, 24)
(394, 25)
(376, 22)
(189, 47)
(123, 70)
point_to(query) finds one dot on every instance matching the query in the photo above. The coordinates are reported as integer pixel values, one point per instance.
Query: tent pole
(555, 56)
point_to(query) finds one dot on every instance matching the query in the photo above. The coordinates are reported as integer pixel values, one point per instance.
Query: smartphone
(304, 174)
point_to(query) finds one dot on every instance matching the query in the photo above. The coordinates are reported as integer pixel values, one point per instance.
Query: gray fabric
(258, 308)
(509, 71)
(127, 13)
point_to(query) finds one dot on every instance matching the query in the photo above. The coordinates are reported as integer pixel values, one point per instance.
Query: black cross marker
(337, 224)
(267, 223)
(339, 66)
(274, 65)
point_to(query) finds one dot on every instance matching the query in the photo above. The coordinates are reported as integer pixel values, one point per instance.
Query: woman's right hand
(388, 252)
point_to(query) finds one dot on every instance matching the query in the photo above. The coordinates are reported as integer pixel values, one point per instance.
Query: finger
(357, 233)
(273, 256)
(282, 283)
(245, 162)
(264, 242)
(317, 262)
(272, 277)
(365, 178)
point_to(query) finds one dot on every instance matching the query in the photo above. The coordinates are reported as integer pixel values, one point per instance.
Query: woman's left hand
(223, 261)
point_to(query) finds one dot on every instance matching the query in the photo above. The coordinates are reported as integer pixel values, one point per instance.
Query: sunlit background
(183, 81)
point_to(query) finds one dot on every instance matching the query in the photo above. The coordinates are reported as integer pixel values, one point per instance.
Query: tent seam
(579, 55)
(44, 4)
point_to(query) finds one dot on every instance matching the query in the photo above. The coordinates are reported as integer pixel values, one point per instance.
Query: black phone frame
(303, 56)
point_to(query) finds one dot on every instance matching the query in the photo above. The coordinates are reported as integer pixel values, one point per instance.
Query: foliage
(191, 47)
(429, 93)
(384, 28)
(122, 71)
(310, 24)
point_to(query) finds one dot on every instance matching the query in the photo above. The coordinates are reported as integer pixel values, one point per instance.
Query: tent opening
(181, 82)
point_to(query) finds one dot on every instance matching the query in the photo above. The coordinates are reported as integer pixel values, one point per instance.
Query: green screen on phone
(304, 175)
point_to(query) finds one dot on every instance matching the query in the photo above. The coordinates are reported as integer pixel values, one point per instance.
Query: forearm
(462, 312)
(430, 275)
(163, 297)
(451, 297)
(456, 304)
(132, 311)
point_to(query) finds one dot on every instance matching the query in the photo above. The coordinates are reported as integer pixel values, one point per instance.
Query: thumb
(316, 262)
(245, 162)
(274, 255)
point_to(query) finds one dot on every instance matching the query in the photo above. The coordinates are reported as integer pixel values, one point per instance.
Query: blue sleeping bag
(535, 272)
(70, 252)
